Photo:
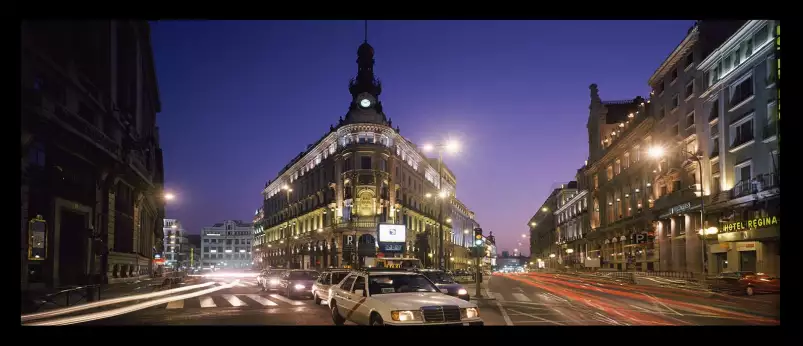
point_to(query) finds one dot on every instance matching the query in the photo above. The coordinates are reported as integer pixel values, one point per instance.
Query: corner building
(323, 208)
(740, 95)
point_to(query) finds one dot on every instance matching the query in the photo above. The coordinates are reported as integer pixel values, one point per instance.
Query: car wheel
(316, 299)
(336, 318)
(749, 291)
(376, 320)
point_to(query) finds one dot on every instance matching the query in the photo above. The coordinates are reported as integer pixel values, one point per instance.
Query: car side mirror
(360, 292)
(443, 290)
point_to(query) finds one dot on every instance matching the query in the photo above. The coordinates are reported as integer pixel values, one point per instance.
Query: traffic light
(477, 236)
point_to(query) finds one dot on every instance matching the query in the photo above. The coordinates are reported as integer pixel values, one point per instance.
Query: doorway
(72, 244)
(747, 261)
(720, 262)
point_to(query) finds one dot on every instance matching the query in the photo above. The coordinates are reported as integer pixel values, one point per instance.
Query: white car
(391, 297)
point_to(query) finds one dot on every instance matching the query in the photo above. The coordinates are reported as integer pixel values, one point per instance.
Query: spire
(366, 31)
(365, 82)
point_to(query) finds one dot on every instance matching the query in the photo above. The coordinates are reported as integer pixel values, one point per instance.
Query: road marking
(233, 300)
(521, 297)
(286, 300)
(537, 317)
(502, 309)
(261, 300)
(207, 302)
(176, 304)
(662, 304)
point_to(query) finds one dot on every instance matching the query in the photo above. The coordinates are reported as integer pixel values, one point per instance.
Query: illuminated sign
(391, 233)
(391, 247)
(749, 224)
(37, 239)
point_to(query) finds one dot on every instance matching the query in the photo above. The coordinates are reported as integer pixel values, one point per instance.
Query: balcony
(758, 184)
(741, 140)
(86, 129)
(355, 224)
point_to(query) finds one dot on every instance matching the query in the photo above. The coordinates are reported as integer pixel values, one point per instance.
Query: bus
(398, 262)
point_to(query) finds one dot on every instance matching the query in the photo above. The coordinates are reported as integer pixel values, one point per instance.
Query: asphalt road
(547, 299)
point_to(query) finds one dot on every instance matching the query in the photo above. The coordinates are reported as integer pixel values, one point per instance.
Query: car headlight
(468, 313)
(299, 286)
(462, 292)
(406, 315)
(274, 281)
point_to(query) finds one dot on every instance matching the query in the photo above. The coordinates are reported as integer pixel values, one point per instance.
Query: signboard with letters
(391, 238)
(749, 224)
(642, 237)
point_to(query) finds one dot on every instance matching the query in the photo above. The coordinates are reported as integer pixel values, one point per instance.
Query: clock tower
(365, 89)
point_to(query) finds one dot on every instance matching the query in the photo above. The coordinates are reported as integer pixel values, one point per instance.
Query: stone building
(740, 102)
(227, 245)
(572, 223)
(679, 180)
(177, 247)
(323, 208)
(91, 162)
(463, 223)
(543, 228)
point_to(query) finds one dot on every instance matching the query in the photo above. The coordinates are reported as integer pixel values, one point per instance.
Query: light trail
(125, 310)
(71, 309)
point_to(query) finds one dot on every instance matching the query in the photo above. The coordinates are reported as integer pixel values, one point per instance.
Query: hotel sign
(749, 224)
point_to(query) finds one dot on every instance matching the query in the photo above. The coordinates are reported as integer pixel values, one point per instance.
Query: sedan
(446, 283)
(298, 283)
(320, 289)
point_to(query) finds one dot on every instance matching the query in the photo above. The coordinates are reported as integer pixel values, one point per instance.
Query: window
(675, 101)
(690, 120)
(365, 162)
(771, 76)
(636, 153)
(674, 75)
(596, 181)
(726, 63)
(772, 115)
(741, 90)
(748, 48)
(610, 172)
(742, 131)
(736, 58)
(715, 187)
(383, 164)
(660, 113)
(206, 249)
(714, 140)
(206, 240)
(743, 171)
(690, 89)
(675, 130)
(359, 284)
(617, 167)
(626, 161)
(689, 60)
(36, 154)
(775, 160)
(762, 36)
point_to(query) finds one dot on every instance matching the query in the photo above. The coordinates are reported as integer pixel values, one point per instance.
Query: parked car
(270, 280)
(745, 283)
(446, 283)
(329, 277)
(386, 297)
(298, 282)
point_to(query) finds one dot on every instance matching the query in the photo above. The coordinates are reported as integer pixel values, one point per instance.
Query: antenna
(366, 31)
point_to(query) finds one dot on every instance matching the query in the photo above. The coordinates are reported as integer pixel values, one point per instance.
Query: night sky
(242, 98)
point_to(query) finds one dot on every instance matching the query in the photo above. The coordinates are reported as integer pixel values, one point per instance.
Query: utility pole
(440, 210)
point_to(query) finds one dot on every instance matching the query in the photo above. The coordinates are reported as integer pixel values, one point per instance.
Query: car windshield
(303, 275)
(338, 276)
(276, 273)
(439, 277)
(399, 283)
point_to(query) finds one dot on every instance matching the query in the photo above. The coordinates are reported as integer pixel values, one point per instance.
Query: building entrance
(747, 261)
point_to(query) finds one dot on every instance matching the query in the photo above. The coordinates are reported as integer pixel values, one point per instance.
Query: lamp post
(658, 152)
(450, 146)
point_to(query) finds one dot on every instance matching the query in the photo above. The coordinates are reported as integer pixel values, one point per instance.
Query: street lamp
(450, 146)
(169, 196)
(545, 209)
(532, 224)
(657, 152)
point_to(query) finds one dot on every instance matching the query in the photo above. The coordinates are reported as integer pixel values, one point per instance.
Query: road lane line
(261, 300)
(499, 297)
(98, 304)
(537, 317)
(121, 311)
(502, 310)
(233, 300)
(662, 304)
(207, 302)
(286, 300)
(176, 304)
(521, 297)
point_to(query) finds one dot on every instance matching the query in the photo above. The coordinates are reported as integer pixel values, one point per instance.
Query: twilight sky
(241, 98)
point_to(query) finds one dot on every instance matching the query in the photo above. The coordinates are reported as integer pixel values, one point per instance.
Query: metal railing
(759, 183)
(64, 297)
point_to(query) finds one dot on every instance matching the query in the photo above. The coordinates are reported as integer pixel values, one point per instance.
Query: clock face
(365, 103)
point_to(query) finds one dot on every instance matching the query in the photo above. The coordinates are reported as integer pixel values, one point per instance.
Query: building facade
(91, 164)
(740, 98)
(463, 223)
(227, 245)
(544, 245)
(679, 176)
(323, 208)
(573, 223)
(177, 246)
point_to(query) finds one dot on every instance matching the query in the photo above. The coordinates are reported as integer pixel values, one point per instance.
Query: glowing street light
(545, 209)
(443, 194)
(551, 255)
(465, 231)
(428, 195)
(169, 196)
(656, 152)
(569, 250)
(532, 224)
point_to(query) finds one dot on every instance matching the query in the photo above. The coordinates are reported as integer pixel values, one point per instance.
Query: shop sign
(750, 224)
(642, 237)
(680, 208)
(746, 246)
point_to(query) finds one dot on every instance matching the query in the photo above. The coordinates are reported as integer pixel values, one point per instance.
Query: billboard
(391, 233)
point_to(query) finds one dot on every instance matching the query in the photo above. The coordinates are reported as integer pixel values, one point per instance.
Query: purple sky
(241, 98)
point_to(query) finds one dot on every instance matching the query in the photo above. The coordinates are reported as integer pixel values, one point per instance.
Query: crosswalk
(249, 300)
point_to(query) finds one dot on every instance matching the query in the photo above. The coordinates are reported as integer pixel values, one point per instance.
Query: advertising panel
(390, 233)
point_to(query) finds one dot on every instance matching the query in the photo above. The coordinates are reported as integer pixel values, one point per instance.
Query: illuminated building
(227, 245)
(544, 237)
(177, 247)
(322, 209)
(740, 100)
(573, 223)
(91, 160)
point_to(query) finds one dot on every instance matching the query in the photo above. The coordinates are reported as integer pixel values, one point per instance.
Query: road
(531, 299)
(547, 299)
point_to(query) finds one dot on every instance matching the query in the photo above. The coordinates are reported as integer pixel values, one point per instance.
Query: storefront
(749, 244)
(677, 238)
